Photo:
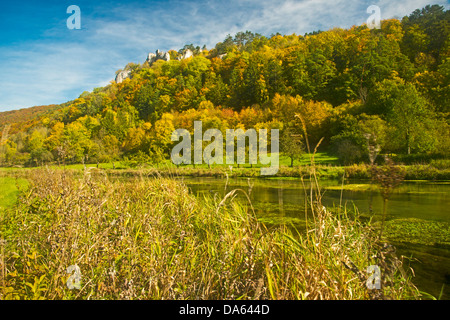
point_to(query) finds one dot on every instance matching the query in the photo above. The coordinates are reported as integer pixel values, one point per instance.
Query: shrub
(347, 151)
(409, 159)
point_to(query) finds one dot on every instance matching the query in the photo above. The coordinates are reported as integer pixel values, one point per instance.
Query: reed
(149, 238)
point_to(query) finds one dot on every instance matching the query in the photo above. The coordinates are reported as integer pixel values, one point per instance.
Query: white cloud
(51, 74)
(399, 9)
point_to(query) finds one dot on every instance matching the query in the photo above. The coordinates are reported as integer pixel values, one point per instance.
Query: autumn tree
(35, 146)
(161, 141)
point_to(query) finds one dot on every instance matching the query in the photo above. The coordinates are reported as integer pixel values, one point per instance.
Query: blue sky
(43, 62)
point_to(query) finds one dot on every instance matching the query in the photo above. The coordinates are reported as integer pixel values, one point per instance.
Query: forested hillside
(384, 89)
(22, 115)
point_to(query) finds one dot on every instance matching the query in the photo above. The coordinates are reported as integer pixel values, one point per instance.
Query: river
(420, 209)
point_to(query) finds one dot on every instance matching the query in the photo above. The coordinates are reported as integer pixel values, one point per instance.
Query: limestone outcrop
(122, 75)
(160, 55)
(187, 54)
(151, 58)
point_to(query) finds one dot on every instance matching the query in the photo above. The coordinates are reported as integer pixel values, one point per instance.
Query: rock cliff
(122, 75)
(151, 58)
(160, 55)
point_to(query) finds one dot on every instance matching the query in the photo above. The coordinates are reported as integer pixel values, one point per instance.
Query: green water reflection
(418, 220)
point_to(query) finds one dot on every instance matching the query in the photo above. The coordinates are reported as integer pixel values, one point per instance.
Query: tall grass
(149, 238)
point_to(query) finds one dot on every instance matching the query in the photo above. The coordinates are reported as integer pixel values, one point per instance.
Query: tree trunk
(408, 144)
(384, 216)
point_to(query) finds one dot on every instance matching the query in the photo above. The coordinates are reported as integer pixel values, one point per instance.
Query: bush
(440, 164)
(347, 151)
(426, 172)
(409, 159)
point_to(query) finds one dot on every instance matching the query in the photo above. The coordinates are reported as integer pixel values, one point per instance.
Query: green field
(10, 188)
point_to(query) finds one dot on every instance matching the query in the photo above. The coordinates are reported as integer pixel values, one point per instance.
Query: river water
(414, 204)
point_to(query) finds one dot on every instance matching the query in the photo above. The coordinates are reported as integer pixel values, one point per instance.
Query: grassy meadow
(10, 187)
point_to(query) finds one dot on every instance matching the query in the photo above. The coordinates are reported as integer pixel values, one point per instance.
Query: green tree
(406, 112)
(374, 130)
(427, 30)
(109, 149)
(35, 146)
(291, 144)
(8, 151)
(161, 143)
(76, 141)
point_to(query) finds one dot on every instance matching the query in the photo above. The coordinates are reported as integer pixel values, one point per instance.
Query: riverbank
(151, 239)
(361, 172)
(325, 167)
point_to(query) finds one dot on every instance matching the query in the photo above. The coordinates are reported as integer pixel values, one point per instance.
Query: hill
(25, 114)
(364, 91)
